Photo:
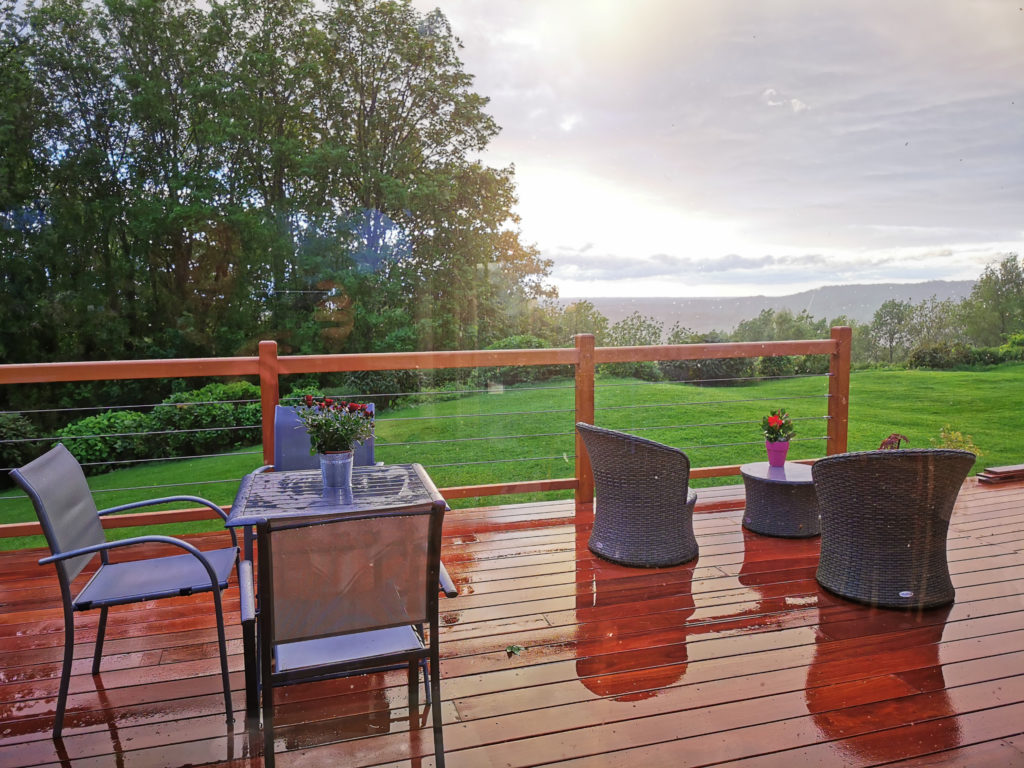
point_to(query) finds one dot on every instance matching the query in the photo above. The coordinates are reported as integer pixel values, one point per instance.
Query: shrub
(810, 365)
(987, 356)
(940, 355)
(111, 436)
(382, 388)
(727, 372)
(952, 438)
(776, 366)
(205, 420)
(15, 428)
(519, 374)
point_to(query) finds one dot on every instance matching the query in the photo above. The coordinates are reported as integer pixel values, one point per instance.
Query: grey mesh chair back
(65, 507)
(643, 515)
(346, 595)
(360, 575)
(67, 512)
(884, 520)
(292, 445)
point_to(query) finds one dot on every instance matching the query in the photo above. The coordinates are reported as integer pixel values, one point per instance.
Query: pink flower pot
(776, 452)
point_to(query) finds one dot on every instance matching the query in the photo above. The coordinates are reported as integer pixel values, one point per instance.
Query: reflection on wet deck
(738, 658)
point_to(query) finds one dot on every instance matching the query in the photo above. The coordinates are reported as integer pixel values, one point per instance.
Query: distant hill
(858, 302)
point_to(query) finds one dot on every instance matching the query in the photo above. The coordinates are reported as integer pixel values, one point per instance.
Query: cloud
(772, 99)
(849, 135)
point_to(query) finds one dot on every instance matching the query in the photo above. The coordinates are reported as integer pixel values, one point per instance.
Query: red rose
(774, 421)
(309, 399)
(328, 401)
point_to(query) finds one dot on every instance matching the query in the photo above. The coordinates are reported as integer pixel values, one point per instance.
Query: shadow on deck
(738, 658)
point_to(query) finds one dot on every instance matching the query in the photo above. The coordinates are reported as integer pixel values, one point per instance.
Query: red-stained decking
(737, 659)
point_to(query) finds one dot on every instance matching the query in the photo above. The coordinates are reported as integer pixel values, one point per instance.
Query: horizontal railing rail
(583, 358)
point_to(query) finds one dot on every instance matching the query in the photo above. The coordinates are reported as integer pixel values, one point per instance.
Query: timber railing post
(839, 391)
(269, 395)
(585, 413)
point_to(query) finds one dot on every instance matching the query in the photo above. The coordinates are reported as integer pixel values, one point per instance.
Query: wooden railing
(584, 357)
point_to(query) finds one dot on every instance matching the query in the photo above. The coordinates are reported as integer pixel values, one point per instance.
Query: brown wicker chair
(884, 518)
(644, 511)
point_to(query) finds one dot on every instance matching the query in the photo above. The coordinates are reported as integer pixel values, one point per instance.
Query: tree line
(184, 179)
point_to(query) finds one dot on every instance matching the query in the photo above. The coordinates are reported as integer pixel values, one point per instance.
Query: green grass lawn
(526, 433)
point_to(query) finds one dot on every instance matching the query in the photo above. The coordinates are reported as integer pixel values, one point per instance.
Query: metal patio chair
(70, 520)
(884, 520)
(292, 445)
(349, 595)
(644, 511)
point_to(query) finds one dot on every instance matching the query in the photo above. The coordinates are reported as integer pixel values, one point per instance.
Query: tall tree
(892, 328)
(995, 307)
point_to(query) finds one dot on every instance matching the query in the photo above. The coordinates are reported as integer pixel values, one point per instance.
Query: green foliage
(207, 420)
(995, 308)
(716, 372)
(335, 425)
(954, 438)
(18, 444)
(384, 388)
(892, 328)
(519, 374)
(113, 436)
(781, 325)
(181, 179)
(634, 330)
(940, 355)
(579, 317)
(776, 366)
(777, 426)
(811, 365)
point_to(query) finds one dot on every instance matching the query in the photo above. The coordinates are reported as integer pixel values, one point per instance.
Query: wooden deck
(738, 659)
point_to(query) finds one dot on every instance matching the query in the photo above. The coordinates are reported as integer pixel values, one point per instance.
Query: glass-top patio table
(267, 499)
(272, 496)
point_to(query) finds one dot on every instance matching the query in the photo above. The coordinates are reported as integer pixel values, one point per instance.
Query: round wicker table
(780, 500)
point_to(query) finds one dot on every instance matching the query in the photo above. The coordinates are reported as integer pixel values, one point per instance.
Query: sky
(732, 148)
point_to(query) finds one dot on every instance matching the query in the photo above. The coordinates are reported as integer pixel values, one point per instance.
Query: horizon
(769, 295)
(729, 150)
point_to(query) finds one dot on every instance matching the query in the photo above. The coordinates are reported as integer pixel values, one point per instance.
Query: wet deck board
(738, 659)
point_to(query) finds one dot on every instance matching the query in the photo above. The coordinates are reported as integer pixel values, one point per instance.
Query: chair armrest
(167, 499)
(447, 585)
(246, 591)
(137, 540)
(264, 468)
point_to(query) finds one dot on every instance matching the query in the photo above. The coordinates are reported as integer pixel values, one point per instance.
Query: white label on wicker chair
(906, 593)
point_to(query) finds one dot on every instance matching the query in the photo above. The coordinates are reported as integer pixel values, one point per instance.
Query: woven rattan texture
(644, 511)
(780, 509)
(884, 520)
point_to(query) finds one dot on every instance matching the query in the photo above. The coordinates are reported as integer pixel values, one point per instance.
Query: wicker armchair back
(644, 510)
(884, 519)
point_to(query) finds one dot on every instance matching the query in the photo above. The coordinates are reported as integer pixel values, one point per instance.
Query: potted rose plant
(778, 430)
(335, 427)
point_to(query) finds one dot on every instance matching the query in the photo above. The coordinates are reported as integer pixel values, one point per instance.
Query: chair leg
(252, 694)
(435, 687)
(100, 633)
(65, 673)
(414, 691)
(267, 694)
(223, 645)
(426, 679)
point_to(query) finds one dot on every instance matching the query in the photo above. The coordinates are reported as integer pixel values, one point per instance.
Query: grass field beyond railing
(527, 433)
